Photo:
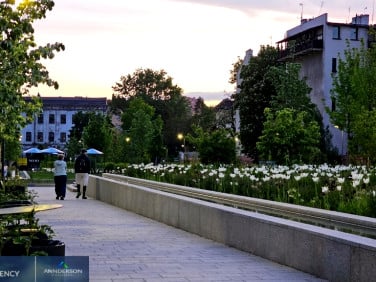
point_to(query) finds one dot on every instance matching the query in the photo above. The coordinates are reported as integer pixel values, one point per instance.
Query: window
(336, 32)
(51, 119)
(63, 137)
(51, 137)
(63, 119)
(334, 65)
(40, 136)
(354, 34)
(40, 119)
(28, 136)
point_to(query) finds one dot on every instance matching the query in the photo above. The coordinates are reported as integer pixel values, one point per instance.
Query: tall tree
(293, 92)
(203, 116)
(20, 64)
(157, 90)
(256, 92)
(354, 95)
(97, 133)
(143, 129)
(289, 137)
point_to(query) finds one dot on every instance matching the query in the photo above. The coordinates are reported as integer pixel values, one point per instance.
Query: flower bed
(350, 189)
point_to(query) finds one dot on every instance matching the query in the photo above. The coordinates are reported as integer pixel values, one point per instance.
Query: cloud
(341, 10)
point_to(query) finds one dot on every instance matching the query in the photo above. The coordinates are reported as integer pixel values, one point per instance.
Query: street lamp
(182, 137)
(336, 126)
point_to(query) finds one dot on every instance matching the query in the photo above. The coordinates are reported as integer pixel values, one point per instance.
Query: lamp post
(336, 126)
(182, 137)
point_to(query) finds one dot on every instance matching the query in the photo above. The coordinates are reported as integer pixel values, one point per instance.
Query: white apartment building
(317, 45)
(51, 128)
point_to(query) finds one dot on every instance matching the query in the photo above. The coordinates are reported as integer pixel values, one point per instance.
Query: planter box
(50, 247)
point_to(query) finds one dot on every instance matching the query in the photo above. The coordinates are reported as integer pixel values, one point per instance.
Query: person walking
(60, 177)
(82, 169)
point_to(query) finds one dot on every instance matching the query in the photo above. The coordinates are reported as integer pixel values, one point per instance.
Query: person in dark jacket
(82, 169)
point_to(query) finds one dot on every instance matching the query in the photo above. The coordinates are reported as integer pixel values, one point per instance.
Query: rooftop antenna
(301, 12)
(321, 5)
(348, 17)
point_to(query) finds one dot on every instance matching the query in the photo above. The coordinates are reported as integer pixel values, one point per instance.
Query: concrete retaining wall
(328, 254)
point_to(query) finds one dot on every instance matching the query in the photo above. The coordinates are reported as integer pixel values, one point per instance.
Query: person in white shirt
(60, 177)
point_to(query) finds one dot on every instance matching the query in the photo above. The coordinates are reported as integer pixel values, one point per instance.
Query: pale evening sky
(195, 42)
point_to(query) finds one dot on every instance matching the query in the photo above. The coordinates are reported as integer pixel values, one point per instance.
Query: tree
(293, 92)
(143, 129)
(97, 133)
(364, 138)
(289, 137)
(256, 92)
(217, 146)
(354, 96)
(157, 90)
(20, 64)
(203, 116)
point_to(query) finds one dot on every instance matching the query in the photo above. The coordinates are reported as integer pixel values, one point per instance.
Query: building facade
(51, 128)
(317, 45)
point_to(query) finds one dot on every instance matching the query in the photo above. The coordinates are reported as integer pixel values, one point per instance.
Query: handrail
(360, 225)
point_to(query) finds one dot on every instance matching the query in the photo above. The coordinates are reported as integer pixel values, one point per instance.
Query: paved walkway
(123, 246)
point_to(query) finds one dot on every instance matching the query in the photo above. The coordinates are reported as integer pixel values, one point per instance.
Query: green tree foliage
(80, 120)
(216, 146)
(142, 132)
(256, 92)
(203, 116)
(20, 63)
(97, 134)
(289, 137)
(157, 90)
(354, 97)
(363, 142)
(293, 93)
(234, 71)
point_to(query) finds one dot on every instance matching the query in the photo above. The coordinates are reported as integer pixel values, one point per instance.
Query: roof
(77, 102)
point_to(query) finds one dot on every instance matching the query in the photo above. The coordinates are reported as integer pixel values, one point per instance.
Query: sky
(195, 41)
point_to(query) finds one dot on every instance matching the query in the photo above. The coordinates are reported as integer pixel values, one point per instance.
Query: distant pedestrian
(60, 177)
(82, 169)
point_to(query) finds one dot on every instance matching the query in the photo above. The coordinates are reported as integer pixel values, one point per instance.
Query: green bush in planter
(21, 234)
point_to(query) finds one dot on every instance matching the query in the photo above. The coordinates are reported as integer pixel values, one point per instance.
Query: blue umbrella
(93, 151)
(51, 150)
(32, 151)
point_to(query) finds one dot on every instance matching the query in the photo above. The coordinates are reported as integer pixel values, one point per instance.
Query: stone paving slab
(124, 246)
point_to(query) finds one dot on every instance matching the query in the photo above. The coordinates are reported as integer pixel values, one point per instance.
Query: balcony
(298, 49)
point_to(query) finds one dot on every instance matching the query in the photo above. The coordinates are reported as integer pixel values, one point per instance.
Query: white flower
(355, 183)
(365, 180)
(297, 177)
(324, 189)
(340, 180)
(339, 188)
(315, 179)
